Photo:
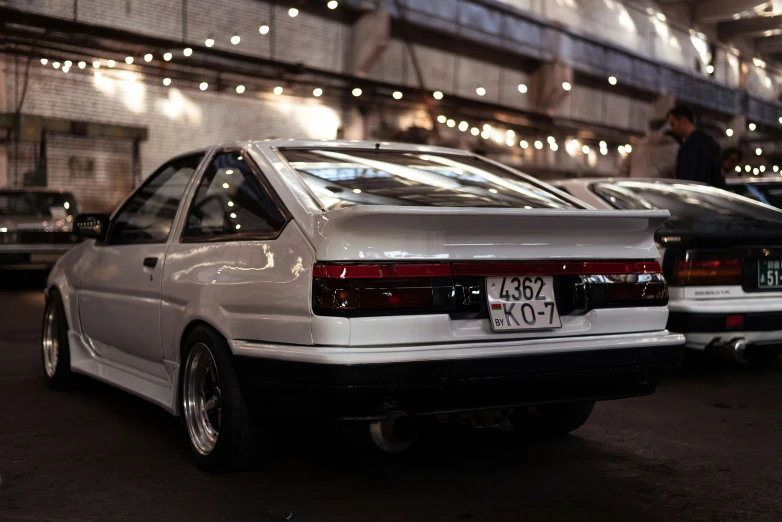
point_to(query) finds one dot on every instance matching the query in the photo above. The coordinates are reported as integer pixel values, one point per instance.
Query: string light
(293, 12)
(628, 148)
(554, 147)
(167, 56)
(510, 142)
(451, 123)
(487, 127)
(56, 65)
(480, 91)
(758, 151)
(82, 65)
(44, 61)
(551, 140)
(128, 60)
(752, 127)
(357, 92)
(278, 90)
(318, 92)
(603, 145)
(475, 131)
(510, 133)
(775, 168)
(442, 119)
(333, 4)
(147, 57)
(538, 144)
(585, 149)
(111, 64)
(397, 95)
(729, 132)
(463, 126)
(747, 168)
(67, 64)
(264, 29)
(187, 51)
(204, 86)
(437, 95)
(621, 149)
(166, 81)
(239, 89)
(209, 42)
(522, 88)
(762, 168)
(235, 39)
(612, 80)
(566, 86)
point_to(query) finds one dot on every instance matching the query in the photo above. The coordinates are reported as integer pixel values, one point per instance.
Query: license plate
(522, 303)
(769, 273)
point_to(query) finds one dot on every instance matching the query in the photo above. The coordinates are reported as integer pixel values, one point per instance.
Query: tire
(55, 350)
(553, 420)
(214, 415)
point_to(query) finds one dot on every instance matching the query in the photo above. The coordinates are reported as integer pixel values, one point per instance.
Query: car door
(120, 302)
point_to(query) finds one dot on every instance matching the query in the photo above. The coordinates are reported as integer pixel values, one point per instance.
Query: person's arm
(687, 164)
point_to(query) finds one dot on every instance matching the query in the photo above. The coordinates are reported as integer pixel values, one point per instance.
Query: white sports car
(722, 259)
(258, 281)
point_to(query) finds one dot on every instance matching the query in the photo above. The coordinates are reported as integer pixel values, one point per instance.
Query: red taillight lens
(705, 269)
(734, 321)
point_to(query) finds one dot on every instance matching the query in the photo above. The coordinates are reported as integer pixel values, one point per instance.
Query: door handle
(150, 262)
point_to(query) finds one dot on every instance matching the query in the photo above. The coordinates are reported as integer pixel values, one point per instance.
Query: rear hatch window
(342, 178)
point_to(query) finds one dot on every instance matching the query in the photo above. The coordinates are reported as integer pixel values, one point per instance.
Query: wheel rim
(202, 399)
(51, 345)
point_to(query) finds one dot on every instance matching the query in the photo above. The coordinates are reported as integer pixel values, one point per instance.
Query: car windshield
(342, 178)
(685, 201)
(770, 194)
(51, 203)
(16, 203)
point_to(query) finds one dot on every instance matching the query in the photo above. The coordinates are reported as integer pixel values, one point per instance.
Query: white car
(722, 259)
(253, 282)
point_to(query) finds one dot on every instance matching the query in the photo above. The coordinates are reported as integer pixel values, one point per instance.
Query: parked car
(722, 257)
(250, 283)
(35, 226)
(765, 190)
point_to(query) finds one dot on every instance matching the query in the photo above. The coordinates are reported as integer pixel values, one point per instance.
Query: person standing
(654, 156)
(699, 155)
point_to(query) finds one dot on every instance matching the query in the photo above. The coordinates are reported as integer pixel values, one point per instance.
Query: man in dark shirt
(699, 155)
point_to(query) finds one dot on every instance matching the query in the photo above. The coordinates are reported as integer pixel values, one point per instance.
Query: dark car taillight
(458, 289)
(703, 268)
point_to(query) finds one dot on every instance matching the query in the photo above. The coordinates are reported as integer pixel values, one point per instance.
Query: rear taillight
(458, 289)
(696, 268)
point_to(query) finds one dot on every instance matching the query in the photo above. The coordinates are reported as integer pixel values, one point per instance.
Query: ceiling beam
(754, 26)
(713, 11)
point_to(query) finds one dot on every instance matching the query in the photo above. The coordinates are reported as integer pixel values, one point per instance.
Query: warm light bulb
(264, 29)
(147, 57)
(357, 92)
(333, 4)
(166, 81)
(278, 90)
(451, 123)
(522, 88)
(44, 61)
(187, 51)
(475, 131)
(209, 42)
(129, 60)
(111, 64)
(612, 80)
(293, 12)
(480, 91)
(204, 86)
(235, 39)
(397, 95)
(566, 86)
(437, 95)
(167, 56)
(729, 132)
(82, 65)
(239, 89)
(317, 92)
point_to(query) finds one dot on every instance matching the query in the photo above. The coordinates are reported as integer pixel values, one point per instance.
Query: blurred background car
(35, 226)
(722, 257)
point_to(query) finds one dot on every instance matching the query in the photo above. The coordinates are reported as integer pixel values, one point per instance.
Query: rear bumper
(762, 330)
(339, 390)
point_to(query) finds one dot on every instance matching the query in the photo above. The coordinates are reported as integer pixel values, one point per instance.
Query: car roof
(293, 143)
(753, 181)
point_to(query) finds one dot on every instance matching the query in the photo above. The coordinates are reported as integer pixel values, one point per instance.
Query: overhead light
(166, 81)
(755, 172)
(522, 88)
(67, 64)
(551, 139)
(524, 144)
(738, 169)
(710, 69)
(762, 168)
(775, 168)
(538, 144)
(239, 89)
(729, 132)
(437, 95)
(110, 64)
(747, 168)
(167, 56)
(451, 123)
(317, 92)
(442, 119)
(187, 51)
(44, 61)
(82, 65)
(480, 91)
(357, 92)
(554, 147)
(278, 90)
(612, 80)
(510, 142)
(621, 149)
(585, 149)
(780, 119)
(209, 42)
(463, 126)
(293, 12)
(485, 135)
(487, 127)
(333, 4)
(238, 226)
(96, 64)
(356, 191)
(758, 151)
(603, 151)
(752, 127)
(66, 69)
(129, 60)
(226, 185)
(235, 39)
(56, 65)
(230, 203)
(603, 145)
(230, 172)
(204, 86)
(661, 17)
(475, 131)
(147, 57)
(566, 86)
(510, 133)
(397, 94)
(264, 29)
(628, 148)
(233, 215)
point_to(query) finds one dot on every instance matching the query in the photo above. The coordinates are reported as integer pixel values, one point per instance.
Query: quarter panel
(251, 290)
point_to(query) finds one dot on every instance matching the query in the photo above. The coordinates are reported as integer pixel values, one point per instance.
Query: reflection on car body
(721, 253)
(254, 282)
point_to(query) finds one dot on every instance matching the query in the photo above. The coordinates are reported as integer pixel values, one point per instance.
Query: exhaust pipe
(733, 350)
(395, 433)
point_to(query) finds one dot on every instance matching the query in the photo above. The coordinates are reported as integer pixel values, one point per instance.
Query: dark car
(765, 190)
(35, 226)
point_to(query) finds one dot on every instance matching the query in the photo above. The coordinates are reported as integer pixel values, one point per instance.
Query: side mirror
(91, 226)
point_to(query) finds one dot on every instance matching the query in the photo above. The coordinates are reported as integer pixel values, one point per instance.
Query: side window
(148, 215)
(231, 202)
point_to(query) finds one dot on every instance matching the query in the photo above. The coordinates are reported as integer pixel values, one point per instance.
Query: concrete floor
(706, 447)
